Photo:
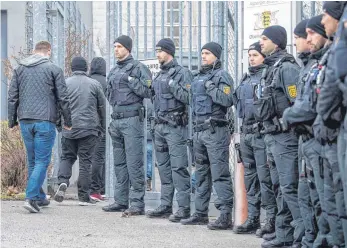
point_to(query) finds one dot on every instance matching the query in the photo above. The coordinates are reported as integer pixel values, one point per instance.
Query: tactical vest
(201, 101)
(245, 103)
(164, 100)
(340, 43)
(271, 102)
(121, 94)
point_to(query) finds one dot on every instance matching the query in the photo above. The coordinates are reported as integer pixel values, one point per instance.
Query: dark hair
(43, 46)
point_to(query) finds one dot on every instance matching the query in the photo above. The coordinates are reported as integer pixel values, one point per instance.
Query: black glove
(209, 84)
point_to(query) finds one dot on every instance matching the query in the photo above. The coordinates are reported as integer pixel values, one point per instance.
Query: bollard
(240, 197)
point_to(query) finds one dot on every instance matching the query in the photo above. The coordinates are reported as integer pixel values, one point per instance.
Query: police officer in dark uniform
(341, 73)
(310, 39)
(276, 93)
(170, 101)
(212, 92)
(128, 84)
(330, 116)
(253, 153)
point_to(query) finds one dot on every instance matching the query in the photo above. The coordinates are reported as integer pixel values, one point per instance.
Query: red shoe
(96, 197)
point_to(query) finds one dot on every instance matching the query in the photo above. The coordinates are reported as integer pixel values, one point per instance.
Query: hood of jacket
(98, 66)
(34, 60)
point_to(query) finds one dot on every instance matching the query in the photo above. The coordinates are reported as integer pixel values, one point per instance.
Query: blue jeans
(39, 140)
(149, 159)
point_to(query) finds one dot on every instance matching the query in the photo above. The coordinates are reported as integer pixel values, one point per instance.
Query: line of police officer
(299, 114)
(291, 132)
(209, 93)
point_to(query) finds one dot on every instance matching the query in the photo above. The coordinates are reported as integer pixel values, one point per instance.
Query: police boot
(162, 212)
(182, 213)
(196, 219)
(250, 226)
(276, 243)
(269, 227)
(114, 207)
(269, 236)
(132, 211)
(222, 223)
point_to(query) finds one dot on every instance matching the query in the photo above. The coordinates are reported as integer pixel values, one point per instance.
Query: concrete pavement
(69, 225)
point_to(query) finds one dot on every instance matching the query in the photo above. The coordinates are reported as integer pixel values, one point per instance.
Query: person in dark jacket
(257, 176)
(279, 83)
(170, 134)
(36, 96)
(88, 109)
(212, 91)
(97, 188)
(128, 83)
(327, 127)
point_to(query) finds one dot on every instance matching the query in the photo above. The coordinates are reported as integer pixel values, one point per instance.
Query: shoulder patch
(292, 91)
(149, 83)
(188, 86)
(226, 90)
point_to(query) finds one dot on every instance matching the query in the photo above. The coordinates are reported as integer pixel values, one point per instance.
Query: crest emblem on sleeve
(292, 91)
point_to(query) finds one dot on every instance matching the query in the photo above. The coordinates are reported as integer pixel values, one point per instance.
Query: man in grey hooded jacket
(36, 96)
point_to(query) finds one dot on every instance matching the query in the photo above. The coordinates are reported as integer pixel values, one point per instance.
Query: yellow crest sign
(292, 91)
(226, 90)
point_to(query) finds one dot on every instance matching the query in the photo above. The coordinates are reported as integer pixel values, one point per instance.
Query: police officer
(253, 153)
(310, 39)
(330, 115)
(128, 84)
(276, 93)
(170, 100)
(212, 92)
(341, 73)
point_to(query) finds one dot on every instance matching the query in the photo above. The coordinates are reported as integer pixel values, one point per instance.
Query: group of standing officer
(173, 90)
(293, 140)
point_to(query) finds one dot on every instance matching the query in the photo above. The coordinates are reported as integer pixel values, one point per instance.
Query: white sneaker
(91, 202)
(59, 195)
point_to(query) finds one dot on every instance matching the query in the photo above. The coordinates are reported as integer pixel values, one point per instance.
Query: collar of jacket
(319, 54)
(256, 69)
(168, 65)
(128, 59)
(276, 56)
(210, 68)
(79, 73)
(304, 57)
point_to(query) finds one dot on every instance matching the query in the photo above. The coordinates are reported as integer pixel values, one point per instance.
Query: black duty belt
(209, 125)
(127, 114)
(172, 119)
(250, 129)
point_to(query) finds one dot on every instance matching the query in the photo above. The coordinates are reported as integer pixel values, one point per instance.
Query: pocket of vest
(239, 108)
(264, 108)
(249, 108)
(203, 105)
(167, 102)
(281, 103)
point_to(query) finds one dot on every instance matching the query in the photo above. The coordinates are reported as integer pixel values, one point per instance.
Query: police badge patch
(226, 90)
(292, 91)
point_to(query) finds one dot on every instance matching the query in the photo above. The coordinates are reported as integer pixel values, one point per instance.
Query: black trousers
(84, 149)
(98, 167)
